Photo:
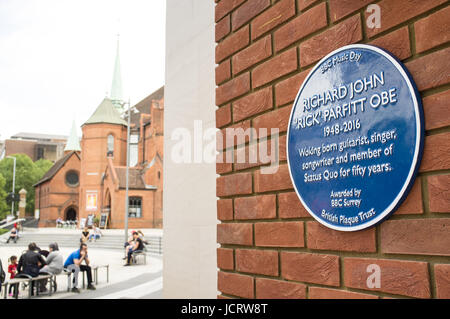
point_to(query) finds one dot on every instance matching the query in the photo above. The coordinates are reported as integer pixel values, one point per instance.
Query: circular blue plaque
(355, 137)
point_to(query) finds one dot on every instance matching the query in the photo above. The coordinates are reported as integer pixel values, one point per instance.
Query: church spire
(73, 143)
(116, 87)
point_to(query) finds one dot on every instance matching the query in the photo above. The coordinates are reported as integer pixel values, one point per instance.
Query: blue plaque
(355, 137)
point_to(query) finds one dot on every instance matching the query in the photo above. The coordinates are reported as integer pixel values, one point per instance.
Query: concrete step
(107, 241)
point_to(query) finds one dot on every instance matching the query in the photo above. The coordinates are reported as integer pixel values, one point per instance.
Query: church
(89, 181)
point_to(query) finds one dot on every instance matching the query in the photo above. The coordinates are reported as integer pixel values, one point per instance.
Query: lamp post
(127, 174)
(13, 183)
(127, 171)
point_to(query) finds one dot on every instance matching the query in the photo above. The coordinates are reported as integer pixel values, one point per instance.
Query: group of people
(87, 236)
(35, 262)
(134, 244)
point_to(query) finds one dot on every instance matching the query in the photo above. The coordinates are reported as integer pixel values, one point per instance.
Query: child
(12, 269)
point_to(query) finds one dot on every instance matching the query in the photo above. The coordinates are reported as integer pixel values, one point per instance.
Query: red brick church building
(90, 180)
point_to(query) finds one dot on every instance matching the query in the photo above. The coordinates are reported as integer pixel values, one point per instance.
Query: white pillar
(190, 216)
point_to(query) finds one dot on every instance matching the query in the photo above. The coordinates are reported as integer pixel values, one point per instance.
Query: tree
(3, 205)
(27, 174)
(43, 166)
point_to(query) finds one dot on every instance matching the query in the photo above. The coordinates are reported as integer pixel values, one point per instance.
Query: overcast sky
(57, 59)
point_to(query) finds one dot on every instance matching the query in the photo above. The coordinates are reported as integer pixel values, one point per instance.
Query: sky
(57, 59)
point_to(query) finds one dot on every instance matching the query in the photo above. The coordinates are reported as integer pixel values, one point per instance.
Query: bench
(30, 282)
(94, 275)
(136, 254)
(15, 281)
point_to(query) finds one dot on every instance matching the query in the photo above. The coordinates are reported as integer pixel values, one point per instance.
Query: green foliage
(27, 174)
(3, 205)
(43, 166)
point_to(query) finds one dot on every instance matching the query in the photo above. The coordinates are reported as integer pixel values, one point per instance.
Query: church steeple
(116, 87)
(73, 143)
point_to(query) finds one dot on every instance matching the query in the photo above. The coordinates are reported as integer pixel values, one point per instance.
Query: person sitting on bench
(138, 246)
(73, 264)
(54, 265)
(13, 235)
(30, 262)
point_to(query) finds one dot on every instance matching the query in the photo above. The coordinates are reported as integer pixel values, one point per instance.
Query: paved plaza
(137, 281)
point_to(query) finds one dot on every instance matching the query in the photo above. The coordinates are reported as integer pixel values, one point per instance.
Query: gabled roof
(106, 113)
(56, 167)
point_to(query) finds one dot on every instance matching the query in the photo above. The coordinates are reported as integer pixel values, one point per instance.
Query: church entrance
(71, 213)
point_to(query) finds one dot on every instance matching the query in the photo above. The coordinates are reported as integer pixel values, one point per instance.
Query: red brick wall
(270, 246)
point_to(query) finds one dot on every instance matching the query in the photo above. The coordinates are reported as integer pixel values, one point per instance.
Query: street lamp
(13, 184)
(128, 167)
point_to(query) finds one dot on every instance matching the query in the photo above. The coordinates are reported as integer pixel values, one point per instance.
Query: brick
(395, 12)
(412, 203)
(303, 4)
(235, 234)
(346, 32)
(435, 154)
(258, 51)
(312, 268)
(223, 28)
(276, 15)
(273, 182)
(225, 259)
(252, 104)
(223, 116)
(236, 184)
(225, 209)
(437, 110)
(431, 70)
(300, 27)
(439, 193)
(235, 285)
(223, 72)
(223, 163)
(287, 90)
(406, 278)
(327, 293)
(232, 44)
(277, 119)
(247, 11)
(342, 8)
(234, 135)
(226, 6)
(262, 262)
(261, 153)
(433, 30)
(416, 236)
(275, 68)
(279, 234)
(232, 89)
(256, 207)
(289, 206)
(442, 277)
(396, 42)
(324, 238)
(277, 289)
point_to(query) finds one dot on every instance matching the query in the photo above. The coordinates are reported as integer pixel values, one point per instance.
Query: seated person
(59, 221)
(31, 262)
(13, 235)
(55, 263)
(84, 235)
(74, 264)
(96, 233)
(137, 246)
